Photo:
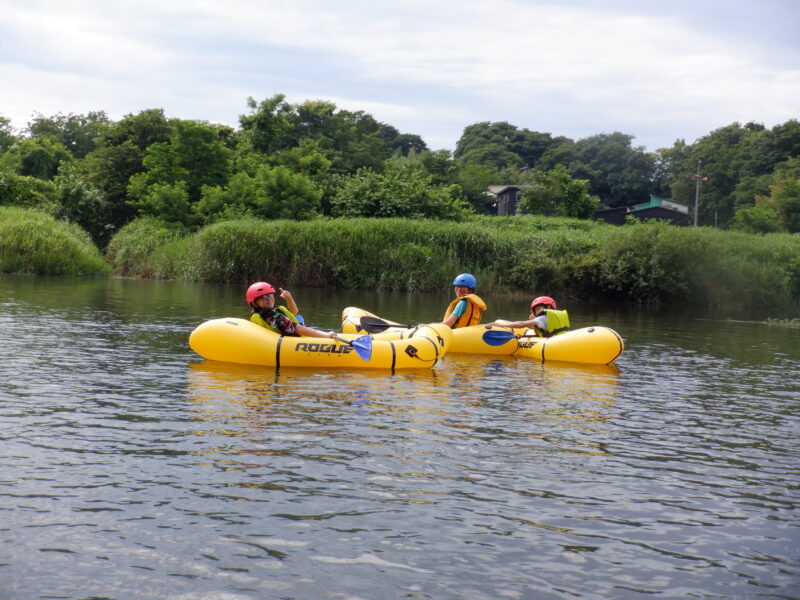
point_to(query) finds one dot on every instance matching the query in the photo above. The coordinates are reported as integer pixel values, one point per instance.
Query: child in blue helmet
(466, 309)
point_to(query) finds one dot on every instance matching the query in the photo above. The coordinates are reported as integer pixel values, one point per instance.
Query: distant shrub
(131, 250)
(34, 242)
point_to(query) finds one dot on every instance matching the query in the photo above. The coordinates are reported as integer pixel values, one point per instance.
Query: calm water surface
(133, 469)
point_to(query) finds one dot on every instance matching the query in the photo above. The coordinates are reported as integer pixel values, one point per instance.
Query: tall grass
(36, 243)
(132, 249)
(644, 263)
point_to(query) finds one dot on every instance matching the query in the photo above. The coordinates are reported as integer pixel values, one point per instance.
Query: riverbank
(646, 263)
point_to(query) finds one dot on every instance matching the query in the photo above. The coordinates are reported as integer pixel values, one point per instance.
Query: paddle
(497, 337)
(375, 324)
(362, 345)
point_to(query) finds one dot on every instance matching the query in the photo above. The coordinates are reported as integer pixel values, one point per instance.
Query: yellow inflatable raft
(241, 341)
(591, 345)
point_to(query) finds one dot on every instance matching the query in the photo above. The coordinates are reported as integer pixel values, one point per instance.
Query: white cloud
(432, 70)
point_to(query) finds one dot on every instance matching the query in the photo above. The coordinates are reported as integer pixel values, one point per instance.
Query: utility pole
(697, 179)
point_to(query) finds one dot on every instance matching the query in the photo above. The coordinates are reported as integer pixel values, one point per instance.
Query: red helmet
(546, 300)
(257, 290)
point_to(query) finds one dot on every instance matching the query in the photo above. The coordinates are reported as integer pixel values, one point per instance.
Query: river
(132, 469)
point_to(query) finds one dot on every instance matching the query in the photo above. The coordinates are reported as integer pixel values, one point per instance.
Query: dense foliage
(309, 160)
(644, 263)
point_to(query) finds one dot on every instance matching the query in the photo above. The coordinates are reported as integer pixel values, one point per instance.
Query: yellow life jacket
(471, 316)
(256, 318)
(557, 322)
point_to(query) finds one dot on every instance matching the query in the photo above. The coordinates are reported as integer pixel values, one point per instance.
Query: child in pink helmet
(261, 298)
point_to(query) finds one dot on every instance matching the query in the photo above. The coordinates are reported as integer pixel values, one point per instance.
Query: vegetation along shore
(643, 263)
(308, 194)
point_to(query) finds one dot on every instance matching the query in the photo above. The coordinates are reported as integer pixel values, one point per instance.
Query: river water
(133, 469)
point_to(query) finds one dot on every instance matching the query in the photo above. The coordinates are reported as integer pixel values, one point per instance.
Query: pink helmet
(546, 300)
(257, 290)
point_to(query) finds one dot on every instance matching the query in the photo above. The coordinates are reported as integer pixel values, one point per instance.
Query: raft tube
(240, 341)
(595, 345)
(589, 345)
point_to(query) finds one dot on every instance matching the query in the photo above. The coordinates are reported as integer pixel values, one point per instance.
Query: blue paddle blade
(497, 337)
(363, 347)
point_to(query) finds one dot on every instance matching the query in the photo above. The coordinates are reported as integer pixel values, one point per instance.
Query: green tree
(306, 158)
(82, 203)
(785, 200)
(666, 163)
(439, 164)
(119, 156)
(749, 188)
(770, 147)
(348, 139)
(272, 193)
(493, 155)
(618, 173)
(78, 133)
(266, 127)
(7, 136)
(723, 153)
(556, 193)
(562, 151)
(402, 191)
(35, 157)
(140, 130)
(501, 145)
(756, 219)
(769, 203)
(351, 140)
(401, 143)
(28, 192)
(192, 158)
(168, 202)
(475, 179)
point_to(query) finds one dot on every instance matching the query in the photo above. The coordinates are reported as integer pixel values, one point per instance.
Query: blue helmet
(466, 280)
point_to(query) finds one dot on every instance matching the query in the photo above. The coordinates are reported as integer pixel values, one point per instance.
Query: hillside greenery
(312, 194)
(311, 159)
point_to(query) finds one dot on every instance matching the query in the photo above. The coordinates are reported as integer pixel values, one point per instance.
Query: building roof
(496, 190)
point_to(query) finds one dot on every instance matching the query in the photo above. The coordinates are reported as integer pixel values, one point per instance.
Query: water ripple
(133, 470)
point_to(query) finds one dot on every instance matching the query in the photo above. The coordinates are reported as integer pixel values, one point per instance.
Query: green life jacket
(256, 318)
(557, 322)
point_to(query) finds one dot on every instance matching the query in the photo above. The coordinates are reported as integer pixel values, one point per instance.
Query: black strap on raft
(278, 353)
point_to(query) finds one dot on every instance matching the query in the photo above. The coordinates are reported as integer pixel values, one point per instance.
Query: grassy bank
(645, 263)
(33, 242)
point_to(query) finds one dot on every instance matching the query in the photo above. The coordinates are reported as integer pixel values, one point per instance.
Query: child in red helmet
(544, 318)
(261, 298)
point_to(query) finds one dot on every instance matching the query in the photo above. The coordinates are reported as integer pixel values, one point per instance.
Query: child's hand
(285, 293)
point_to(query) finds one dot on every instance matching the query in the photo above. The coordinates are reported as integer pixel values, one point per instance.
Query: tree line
(311, 159)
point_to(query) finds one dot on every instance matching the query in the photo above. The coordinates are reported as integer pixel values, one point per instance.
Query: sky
(659, 70)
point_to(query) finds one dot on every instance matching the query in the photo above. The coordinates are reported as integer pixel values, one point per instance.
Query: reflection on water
(441, 395)
(131, 469)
